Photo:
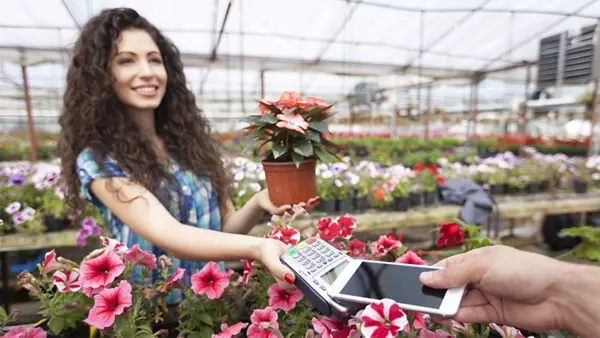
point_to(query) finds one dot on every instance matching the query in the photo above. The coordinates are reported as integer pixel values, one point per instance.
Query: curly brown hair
(93, 116)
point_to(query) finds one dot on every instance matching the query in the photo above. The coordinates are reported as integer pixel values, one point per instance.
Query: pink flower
(383, 319)
(289, 99)
(411, 258)
(211, 281)
(385, 244)
(230, 331)
(66, 280)
(263, 321)
(262, 106)
(357, 248)
(507, 331)
(176, 277)
(328, 229)
(108, 304)
(114, 245)
(287, 235)
(419, 321)
(50, 263)
(332, 328)
(12, 208)
(19, 218)
(292, 122)
(461, 327)
(102, 270)
(140, 257)
(437, 334)
(247, 270)
(280, 298)
(347, 224)
(22, 332)
(89, 291)
(28, 213)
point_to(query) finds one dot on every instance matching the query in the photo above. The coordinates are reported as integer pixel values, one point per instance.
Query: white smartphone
(366, 282)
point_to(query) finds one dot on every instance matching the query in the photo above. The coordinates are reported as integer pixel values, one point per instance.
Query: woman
(134, 144)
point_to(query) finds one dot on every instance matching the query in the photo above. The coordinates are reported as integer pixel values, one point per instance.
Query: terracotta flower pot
(288, 184)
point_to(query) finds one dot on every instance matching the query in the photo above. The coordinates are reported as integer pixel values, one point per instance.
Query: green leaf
(56, 325)
(313, 135)
(278, 150)
(289, 335)
(252, 119)
(297, 158)
(593, 254)
(144, 329)
(3, 315)
(205, 332)
(485, 242)
(303, 148)
(205, 318)
(268, 118)
(322, 155)
(319, 126)
(257, 133)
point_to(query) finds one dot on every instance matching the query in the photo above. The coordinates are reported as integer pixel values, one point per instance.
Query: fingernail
(288, 209)
(316, 200)
(289, 278)
(426, 276)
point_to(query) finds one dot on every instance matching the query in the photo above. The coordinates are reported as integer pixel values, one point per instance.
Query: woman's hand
(264, 201)
(269, 252)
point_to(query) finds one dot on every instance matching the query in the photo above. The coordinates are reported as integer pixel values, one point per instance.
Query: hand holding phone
(370, 281)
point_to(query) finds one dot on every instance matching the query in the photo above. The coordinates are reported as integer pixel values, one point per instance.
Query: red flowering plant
(429, 175)
(294, 126)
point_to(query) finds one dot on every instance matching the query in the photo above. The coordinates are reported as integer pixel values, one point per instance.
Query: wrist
(256, 248)
(578, 298)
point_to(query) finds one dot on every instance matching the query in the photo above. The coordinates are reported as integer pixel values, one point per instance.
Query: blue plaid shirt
(198, 207)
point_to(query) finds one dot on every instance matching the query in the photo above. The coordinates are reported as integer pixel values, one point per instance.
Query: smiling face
(140, 77)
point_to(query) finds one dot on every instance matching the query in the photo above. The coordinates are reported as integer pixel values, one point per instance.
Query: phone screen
(397, 282)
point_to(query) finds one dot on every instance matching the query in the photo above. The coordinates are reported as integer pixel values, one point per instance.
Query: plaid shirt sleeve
(88, 170)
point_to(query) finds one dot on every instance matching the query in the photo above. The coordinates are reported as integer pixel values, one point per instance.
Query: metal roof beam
(337, 32)
(71, 15)
(213, 55)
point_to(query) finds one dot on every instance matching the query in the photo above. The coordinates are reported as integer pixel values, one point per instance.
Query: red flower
(357, 248)
(383, 319)
(333, 328)
(175, 278)
(280, 298)
(263, 322)
(385, 244)
(451, 234)
(347, 224)
(420, 166)
(108, 304)
(411, 258)
(247, 270)
(262, 107)
(50, 263)
(102, 270)
(440, 179)
(437, 334)
(140, 257)
(66, 281)
(287, 235)
(507, 331)
(211, 281)
(289, 99)
(230, 331)
(22, 332)
(114, 245)
(419, 321)
(328, 229)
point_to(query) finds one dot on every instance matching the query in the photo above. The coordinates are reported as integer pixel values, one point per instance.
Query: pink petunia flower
(287, 235)
(292, 122)
(347, 225)
(102, 270)
(50, 263)
(211, 281)
(507, 331)
(383, 319)
(137, 256)
(12, 208)
(263, 322)
(325, 326)
(424, 333)
(66, 280)
(174, 279)
(385, 244)
(108, 304)
(28, 213)
(357, 247)
(114, 245)
(89, 291)
(22, 332)
(19, 218)
(411, 258)
(328, 229)
(280, 298)
(230, 331)
(247, 270)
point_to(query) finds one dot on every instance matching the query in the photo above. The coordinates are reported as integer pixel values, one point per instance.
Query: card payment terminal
(316, 265)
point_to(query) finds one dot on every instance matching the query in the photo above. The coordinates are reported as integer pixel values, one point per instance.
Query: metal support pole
(428, 112)
(262, 84)
(591, 147)
(30, 130)
(474, 112)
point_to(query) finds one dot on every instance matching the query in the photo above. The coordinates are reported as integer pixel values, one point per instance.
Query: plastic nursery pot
(415, 199)
(497, 189)
(327, 206)
(288, 184)
(401, 203)
(361, 203)
(429, 197)
(580, 187)
(346, 204)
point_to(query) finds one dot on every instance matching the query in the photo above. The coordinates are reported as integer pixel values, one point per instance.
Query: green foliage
(589, 248)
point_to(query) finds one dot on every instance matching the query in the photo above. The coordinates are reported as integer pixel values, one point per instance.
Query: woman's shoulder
(86, 160)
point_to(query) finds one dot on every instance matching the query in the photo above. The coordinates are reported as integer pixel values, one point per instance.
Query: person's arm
(244, 219)
(578, 293)
(147, 217)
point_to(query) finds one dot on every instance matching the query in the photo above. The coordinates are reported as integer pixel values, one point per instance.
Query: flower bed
(107, 291)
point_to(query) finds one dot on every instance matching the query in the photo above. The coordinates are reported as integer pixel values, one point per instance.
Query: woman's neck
(144, 120)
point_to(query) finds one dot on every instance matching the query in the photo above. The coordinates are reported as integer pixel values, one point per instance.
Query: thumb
(283, 275)
(453, 275)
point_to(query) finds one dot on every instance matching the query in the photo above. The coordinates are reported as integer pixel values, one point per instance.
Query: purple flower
(18, 218)
(80, 239)
(28, 213)
(575, 179)
(16, 180)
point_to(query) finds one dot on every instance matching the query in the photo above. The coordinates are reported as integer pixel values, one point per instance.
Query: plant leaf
(56, 325)
(205, 318)
(271, 107)
(258, 133)
(297, 158)
(206, 332)
(252, 119)
(593, 254)
(313, 135)
(267, 118)
(303, 148)
(319, 126)
(278, 150)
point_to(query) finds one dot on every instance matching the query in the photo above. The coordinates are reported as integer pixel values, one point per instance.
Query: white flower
(353, 178)
(596, 176)
(12, 208)
(338, 183)
(261, 176)
(241, 192)
(443, 161)
(238, 176)
(28, 213)
(326, 174)
(254, 186)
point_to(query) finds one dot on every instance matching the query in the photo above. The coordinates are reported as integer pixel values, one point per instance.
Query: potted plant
(325, 189)
(429, 177)
(343, 192)
(415, 196)
(296, 132)
(400, 193)
(361, 192)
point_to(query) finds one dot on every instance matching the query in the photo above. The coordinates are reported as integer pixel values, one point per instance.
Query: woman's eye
(156, 60)
(124, 61)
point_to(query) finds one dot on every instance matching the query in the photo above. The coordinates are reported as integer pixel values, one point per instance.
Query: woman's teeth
(146, 89)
